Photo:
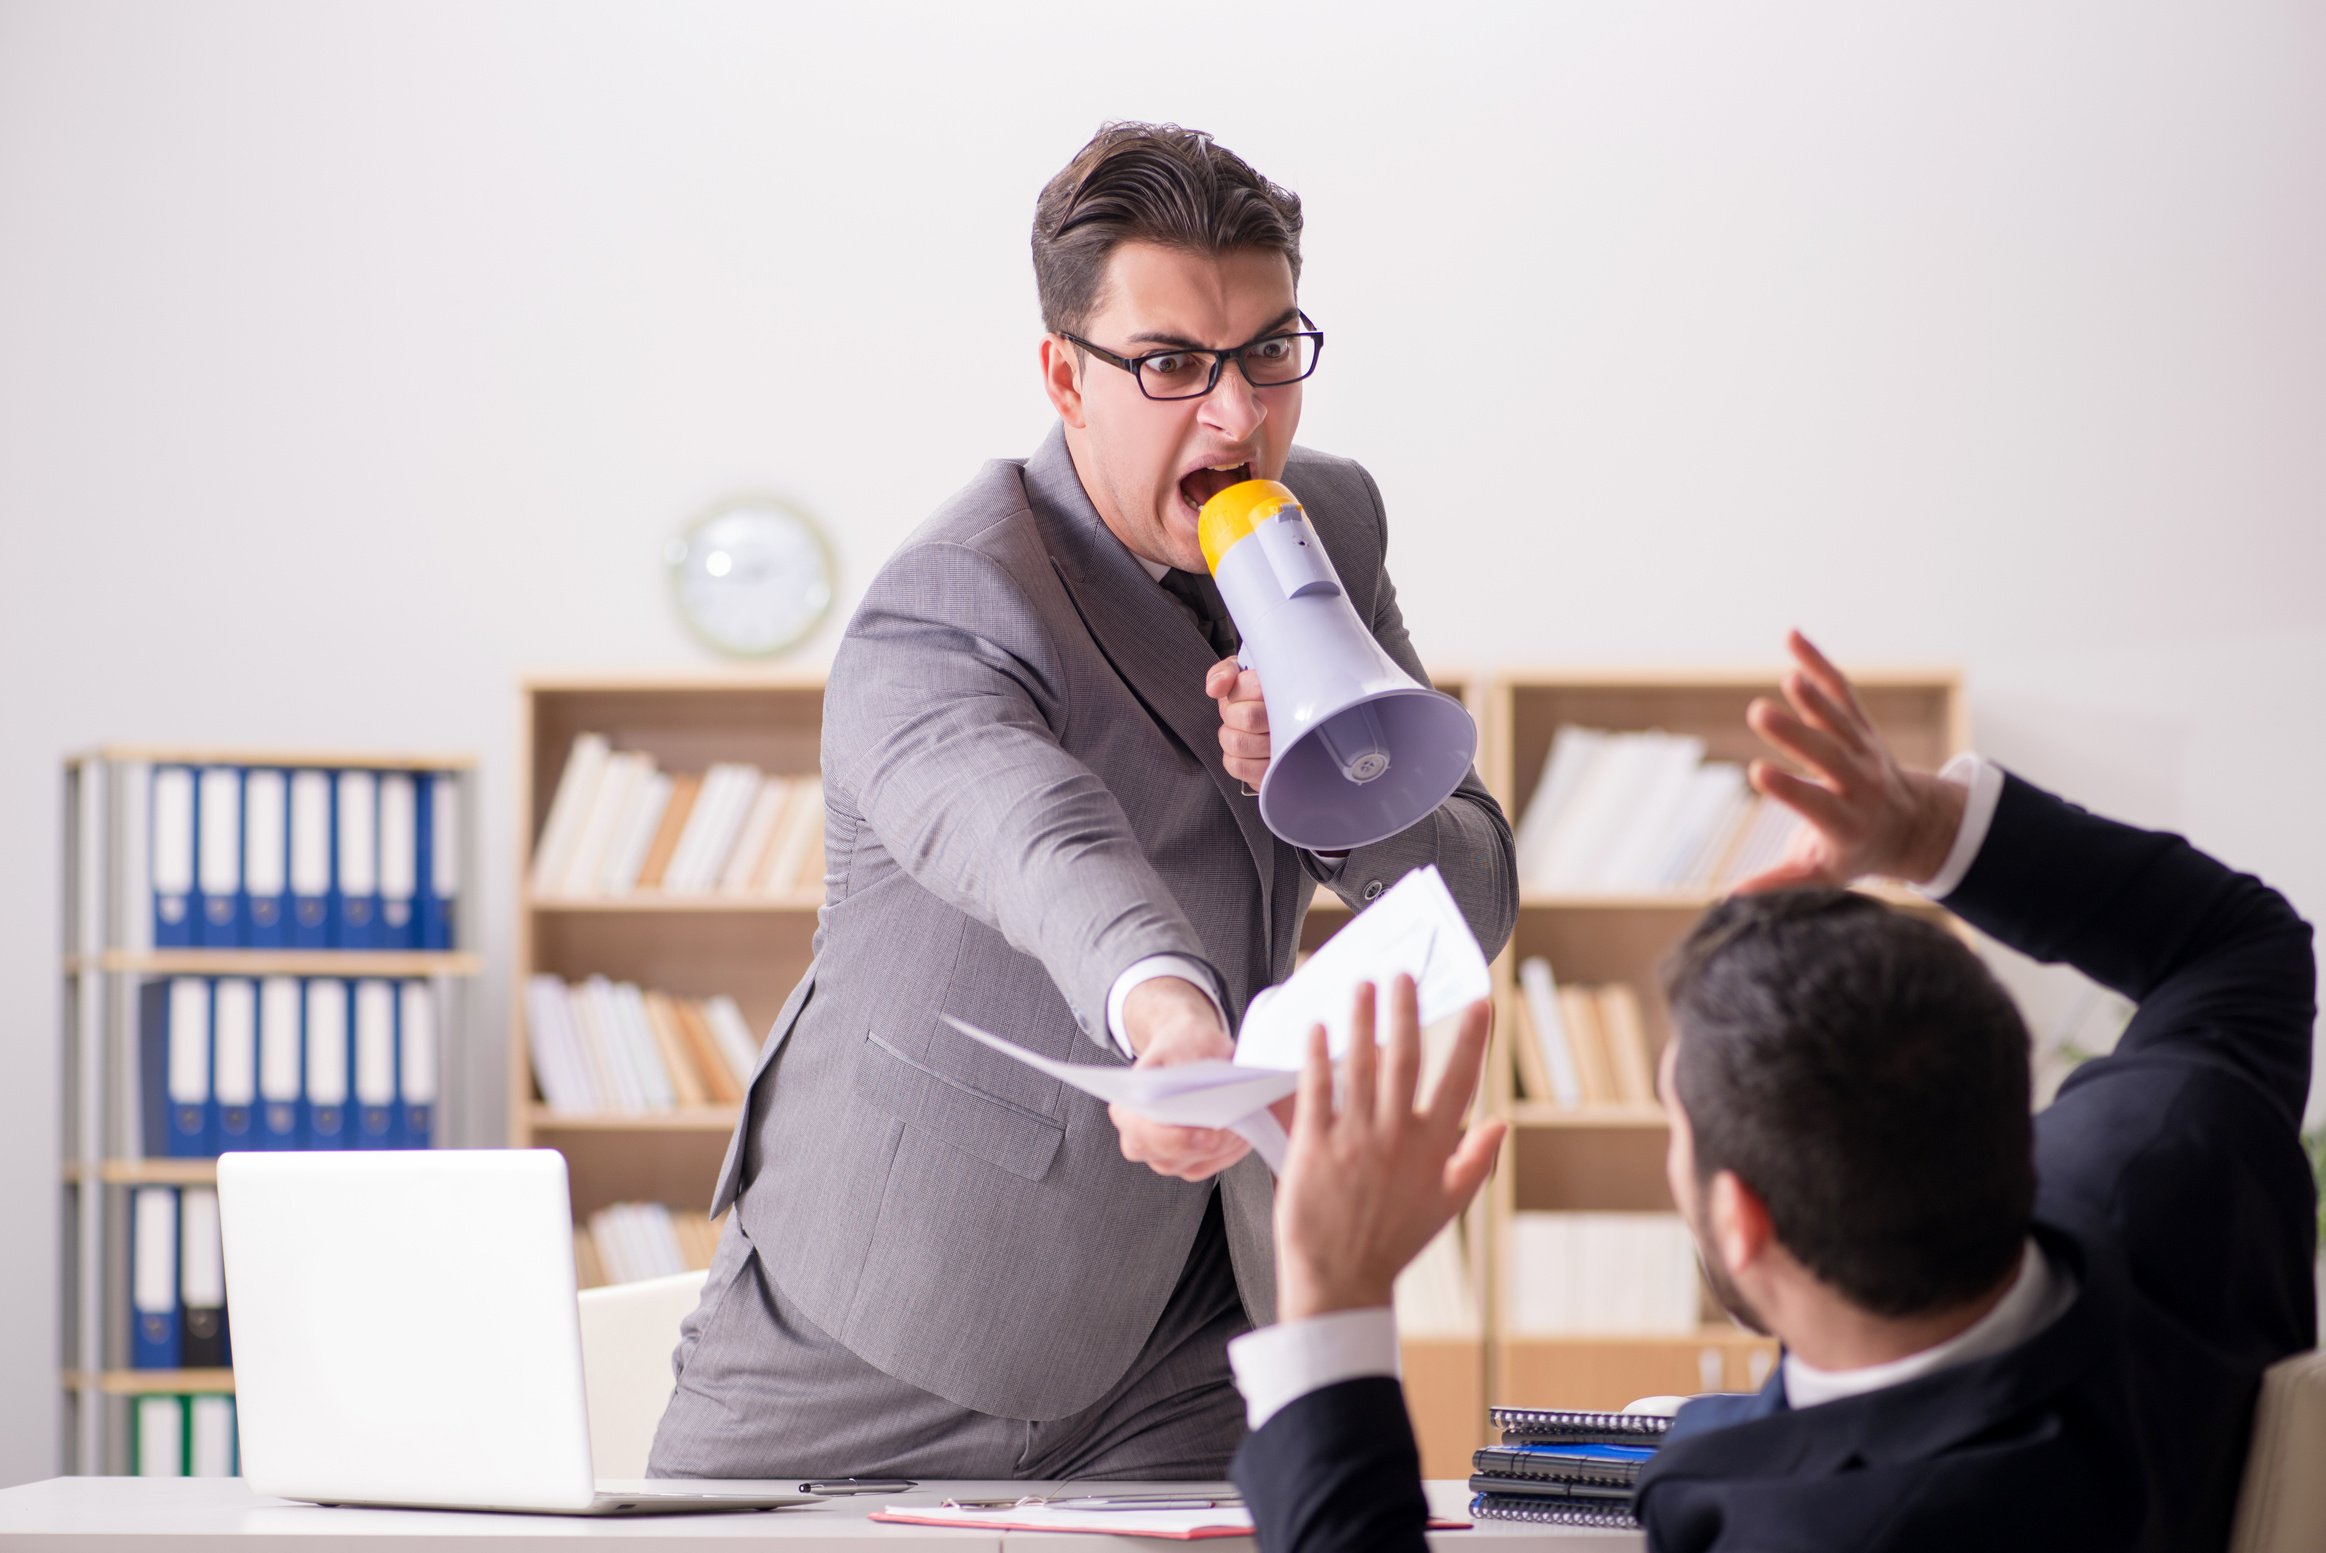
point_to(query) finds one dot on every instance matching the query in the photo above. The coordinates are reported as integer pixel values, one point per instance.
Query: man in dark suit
(1999, 1332)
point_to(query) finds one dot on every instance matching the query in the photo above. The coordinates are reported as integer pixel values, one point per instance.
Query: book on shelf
(605, 1047)
(186, 1435)
(177, 1280)
(227, 856)
(316, 1062)
(618, 826)
(1579, 1047)
(1643, 812)
(629, 1242)
(1601, 1274)
(1433, 1296)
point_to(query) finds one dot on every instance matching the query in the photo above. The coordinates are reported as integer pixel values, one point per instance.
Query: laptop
(405, 1334)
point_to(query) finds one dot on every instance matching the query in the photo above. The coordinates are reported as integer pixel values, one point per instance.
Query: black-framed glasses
(1191, 371)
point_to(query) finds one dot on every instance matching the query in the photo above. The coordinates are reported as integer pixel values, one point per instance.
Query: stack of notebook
(1563, 1469)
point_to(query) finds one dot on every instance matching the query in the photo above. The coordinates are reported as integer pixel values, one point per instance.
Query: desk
(213, 1515)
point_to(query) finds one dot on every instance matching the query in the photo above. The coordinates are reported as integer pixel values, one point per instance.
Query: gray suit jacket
(1024, 797)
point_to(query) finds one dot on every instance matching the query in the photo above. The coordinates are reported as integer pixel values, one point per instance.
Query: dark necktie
(1200, 597)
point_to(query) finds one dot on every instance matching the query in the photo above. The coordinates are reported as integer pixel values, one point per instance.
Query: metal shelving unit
(105, 955)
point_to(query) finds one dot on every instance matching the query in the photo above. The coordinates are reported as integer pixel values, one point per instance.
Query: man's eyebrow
(1182, 342)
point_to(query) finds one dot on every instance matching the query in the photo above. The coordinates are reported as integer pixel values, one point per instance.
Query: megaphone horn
(1362, 750)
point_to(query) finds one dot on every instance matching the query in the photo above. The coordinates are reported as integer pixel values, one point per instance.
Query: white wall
(356, 359)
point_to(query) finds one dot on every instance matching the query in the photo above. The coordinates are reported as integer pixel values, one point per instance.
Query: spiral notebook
(1547, 1461)
(1536, 1423)
(1549, 1512)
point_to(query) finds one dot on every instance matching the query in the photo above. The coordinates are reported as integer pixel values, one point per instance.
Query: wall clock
(752, 576)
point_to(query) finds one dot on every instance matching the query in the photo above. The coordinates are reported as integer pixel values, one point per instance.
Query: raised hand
(1369, 1182)
(1866, 813)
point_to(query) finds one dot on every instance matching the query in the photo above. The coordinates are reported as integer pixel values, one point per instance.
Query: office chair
(2281, 1508)
(627, 1333)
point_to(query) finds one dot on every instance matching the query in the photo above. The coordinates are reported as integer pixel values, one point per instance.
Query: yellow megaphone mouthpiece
(1235, 512)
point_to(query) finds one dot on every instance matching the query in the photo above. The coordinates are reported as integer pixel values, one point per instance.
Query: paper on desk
(1173, 1525)
(1414, 928)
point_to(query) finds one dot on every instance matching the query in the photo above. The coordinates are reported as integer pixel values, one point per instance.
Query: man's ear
(1739, 1222)
(1061, 379)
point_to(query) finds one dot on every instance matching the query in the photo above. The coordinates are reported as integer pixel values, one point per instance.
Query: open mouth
(1198, 486)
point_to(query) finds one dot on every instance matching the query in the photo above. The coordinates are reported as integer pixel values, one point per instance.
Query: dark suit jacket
(2171, 1185)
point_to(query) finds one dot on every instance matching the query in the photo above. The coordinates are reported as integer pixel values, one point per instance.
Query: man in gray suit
(1037, 745)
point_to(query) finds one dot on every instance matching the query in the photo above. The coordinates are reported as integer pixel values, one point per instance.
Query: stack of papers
(1413, 929)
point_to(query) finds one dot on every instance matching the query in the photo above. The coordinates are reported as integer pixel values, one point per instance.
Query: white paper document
(1414, 929)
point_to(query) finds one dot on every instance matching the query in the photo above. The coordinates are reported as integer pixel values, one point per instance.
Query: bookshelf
(1610, 1158)
(1597, 1158)
(107, 957)
(754, 949)
(751, 948)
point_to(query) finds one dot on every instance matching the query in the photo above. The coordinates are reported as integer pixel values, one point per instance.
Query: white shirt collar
(2034, 1300)
(1155, 569)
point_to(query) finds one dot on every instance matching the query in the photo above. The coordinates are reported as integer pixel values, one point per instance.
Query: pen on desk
(858, 1486)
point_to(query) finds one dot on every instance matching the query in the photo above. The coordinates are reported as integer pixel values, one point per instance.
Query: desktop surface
(201, 1513)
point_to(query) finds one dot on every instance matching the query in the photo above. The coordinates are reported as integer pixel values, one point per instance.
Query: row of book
(1601, 1273)
(1564, 1468)
(1580, 1046)
(186, 1436)
(632, 1241)
(286, 1062)
(1433, 1296)
(257, 857)
(177, 1280)
(1644, 813)
(606, 1046)
(618, 825)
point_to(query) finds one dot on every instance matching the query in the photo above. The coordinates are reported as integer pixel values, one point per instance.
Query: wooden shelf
(139, 1383)
(1613, 1118)
(718, 1118)
(185, 755)
(147, 1172)
(1612, 1158)
(656, 901)
(279, 962)
(1709, 1335)
(1685, 900)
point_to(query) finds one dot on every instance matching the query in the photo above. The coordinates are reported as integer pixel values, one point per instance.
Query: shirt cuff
(1984, 779)
(1277, 1366)
(1149, 969)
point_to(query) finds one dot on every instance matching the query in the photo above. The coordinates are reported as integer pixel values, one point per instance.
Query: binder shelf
(262, 949)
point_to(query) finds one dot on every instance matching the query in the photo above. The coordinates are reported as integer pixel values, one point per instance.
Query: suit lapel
(1146, 636)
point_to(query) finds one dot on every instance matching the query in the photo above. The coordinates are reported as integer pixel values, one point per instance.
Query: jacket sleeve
(1336, 1472)
(2182, 1146)
(943, 721)
(1467, 836)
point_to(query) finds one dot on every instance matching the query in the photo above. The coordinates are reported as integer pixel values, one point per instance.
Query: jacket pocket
(1000, 1132)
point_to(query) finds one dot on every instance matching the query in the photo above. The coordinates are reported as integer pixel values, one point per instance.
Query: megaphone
(1361, 751)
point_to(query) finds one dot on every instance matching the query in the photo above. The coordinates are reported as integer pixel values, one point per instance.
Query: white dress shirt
(2035, 1299)
(1276, 1366)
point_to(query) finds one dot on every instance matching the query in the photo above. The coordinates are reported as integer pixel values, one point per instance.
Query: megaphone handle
(1267, 1136)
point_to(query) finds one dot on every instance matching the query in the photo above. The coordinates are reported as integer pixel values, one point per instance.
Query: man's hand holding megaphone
(1244, 746)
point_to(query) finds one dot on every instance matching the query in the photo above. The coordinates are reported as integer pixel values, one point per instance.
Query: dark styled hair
(1150, 183)
(1866, 1075)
